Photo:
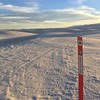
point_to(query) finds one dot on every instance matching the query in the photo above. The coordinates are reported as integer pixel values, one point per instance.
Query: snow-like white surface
(45, 68)
(14, 34)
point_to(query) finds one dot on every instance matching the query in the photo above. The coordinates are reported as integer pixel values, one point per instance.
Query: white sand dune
(14, 34)
(45, 68)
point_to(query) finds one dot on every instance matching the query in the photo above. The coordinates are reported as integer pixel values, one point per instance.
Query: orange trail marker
(80, 67)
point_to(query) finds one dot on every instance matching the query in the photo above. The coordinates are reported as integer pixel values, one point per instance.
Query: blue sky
(53, 4)
(48, 13)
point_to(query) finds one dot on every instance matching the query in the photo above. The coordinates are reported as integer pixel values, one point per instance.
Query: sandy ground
(45, 68)
(13, 34)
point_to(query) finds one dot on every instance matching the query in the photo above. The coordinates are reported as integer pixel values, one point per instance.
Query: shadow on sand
(51, 33)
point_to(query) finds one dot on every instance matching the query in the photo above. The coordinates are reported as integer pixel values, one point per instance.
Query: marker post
(80, 67)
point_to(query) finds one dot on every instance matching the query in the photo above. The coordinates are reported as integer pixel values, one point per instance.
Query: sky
(18, 14)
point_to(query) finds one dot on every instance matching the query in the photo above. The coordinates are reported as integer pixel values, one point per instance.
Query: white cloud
(82, 10)
(60, 17)
(19, 8)
(52, 22)
(13, 17)
(86, 8)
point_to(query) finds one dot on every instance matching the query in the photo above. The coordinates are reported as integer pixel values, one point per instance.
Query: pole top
(79, 38)
(79, 41)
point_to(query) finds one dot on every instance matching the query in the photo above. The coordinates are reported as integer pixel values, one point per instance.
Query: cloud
(13, 17)
(84, 11)
(52, 22)
(54, 18)
(19, 8)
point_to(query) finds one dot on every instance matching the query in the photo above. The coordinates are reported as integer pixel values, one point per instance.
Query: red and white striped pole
(80, 67)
